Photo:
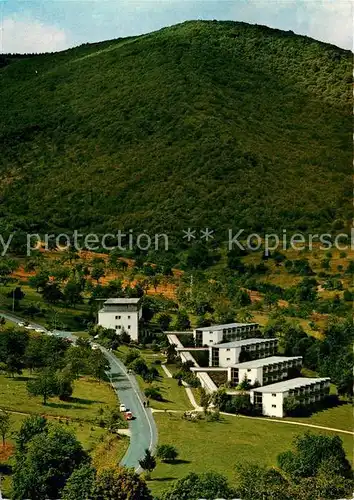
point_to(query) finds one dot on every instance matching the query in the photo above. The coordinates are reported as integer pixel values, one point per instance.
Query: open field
(104, 448)
(88, 397)
(339, 417)
(218, 446)
(77, 415)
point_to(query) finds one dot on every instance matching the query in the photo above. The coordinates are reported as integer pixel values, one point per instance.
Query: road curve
(143, 430)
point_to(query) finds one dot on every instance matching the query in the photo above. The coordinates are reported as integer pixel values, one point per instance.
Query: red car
(128, 415)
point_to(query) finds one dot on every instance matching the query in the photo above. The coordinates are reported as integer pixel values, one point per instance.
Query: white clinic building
(228, 354)
(265, 370)
(121, 314)
(210, 335)
(270, 398)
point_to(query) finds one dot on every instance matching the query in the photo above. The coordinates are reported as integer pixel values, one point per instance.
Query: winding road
(143, 430)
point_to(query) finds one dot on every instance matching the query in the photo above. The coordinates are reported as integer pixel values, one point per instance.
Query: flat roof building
(210, 335)
(230, 353)
(270, 398)
(265, 370)
(121, 314)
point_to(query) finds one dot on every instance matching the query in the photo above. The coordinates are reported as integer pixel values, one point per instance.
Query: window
(119, 326)
(274, 406)
(128, 317)
(274, 395)
(248, 369)
(228, 349)
(118, 317)
(228, 359)
(128, 327)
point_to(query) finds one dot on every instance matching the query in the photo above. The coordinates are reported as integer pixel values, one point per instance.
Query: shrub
(153, 393)
(166, 452)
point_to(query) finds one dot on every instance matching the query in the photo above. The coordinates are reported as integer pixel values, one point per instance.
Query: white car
(21, 323)
(29, 327)
(39, 330)
(122, 408)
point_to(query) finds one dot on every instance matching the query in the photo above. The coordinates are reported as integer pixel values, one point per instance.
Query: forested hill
(203, 124)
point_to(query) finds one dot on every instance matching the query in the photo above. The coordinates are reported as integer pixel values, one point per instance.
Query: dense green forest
(204, 124)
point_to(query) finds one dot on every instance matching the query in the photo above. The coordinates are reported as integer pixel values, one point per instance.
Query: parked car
(21, 323)
(122, 407)
(128, 415)
(39, 330)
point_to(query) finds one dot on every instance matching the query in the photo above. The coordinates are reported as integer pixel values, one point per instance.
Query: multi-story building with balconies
(265, 370)
(232, 353)
(270, 399)
(210, 335)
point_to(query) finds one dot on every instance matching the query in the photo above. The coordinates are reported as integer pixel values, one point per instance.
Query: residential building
(121, 314)
(265, 370)
(270, 398)
(210, 335)
(232, 353)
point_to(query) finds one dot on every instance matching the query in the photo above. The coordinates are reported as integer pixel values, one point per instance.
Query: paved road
(143, 431)
(143, 428)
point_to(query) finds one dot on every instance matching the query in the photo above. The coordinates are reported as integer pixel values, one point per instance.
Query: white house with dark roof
(210, 335)
(264, 370)
(228, 354)
(270, 398)
(121, 314)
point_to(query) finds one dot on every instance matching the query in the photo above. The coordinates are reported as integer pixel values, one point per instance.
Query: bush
(166, 452)
(153, 393)
(188, 377)
(131, 356)
(239, 404)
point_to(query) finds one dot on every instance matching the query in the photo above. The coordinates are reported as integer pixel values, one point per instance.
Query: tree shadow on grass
(73, 404)
(178, 461)
(161, 479)
(82, 401)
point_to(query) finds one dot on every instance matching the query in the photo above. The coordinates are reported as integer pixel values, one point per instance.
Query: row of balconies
(281, 366)
(309, 390)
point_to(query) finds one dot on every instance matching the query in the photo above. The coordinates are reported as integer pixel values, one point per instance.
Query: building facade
(270, 399)
(265, 370)
(210, 335)
(121, 314)
(232, 353)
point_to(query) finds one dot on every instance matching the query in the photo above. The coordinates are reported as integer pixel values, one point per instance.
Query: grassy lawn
(88, 396)
(339, 417)
(218, 446)
(104, 448)
(175, 397)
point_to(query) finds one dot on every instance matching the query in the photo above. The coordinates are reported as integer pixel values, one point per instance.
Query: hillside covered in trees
(203, 124)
